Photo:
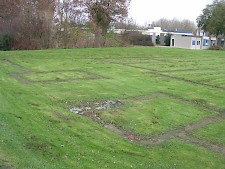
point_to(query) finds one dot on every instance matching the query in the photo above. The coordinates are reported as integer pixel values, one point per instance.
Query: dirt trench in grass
(22, 79)
(182, 133)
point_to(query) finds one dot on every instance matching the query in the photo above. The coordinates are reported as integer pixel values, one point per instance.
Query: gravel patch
(95, 106)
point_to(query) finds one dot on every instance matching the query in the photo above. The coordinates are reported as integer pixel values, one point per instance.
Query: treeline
(42, 24)
(212, 21)
(175, 24)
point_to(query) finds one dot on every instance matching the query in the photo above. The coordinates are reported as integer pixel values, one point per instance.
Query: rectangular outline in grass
(93, 76)
(172, 133)
(178, 128)
(20, 76)
(160, 74)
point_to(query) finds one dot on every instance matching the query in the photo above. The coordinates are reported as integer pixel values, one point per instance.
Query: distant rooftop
(177, 31)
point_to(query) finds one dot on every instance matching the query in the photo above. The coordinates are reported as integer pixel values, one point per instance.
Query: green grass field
(171, 111)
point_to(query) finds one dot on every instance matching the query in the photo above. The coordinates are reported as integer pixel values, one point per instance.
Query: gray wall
(181, 41)
(186, 42)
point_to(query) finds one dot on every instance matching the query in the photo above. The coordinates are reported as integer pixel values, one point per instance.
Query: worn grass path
(171, 108)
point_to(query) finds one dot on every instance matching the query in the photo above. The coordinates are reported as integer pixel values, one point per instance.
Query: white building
(179, 39)
(192, 42)
(188, 42)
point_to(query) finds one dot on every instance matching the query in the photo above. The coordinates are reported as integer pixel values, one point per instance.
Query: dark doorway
(173, 42)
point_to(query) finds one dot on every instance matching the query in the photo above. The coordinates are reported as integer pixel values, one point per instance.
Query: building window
(198, 42)
(205, 42)
(193, 42)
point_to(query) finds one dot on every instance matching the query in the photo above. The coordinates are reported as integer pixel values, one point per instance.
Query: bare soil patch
(93, 106)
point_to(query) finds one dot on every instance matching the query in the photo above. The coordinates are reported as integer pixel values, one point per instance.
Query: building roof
(177, 31)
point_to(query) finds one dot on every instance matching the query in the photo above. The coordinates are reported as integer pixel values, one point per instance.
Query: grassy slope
(154, 116)
(214, 133)
(36, 131)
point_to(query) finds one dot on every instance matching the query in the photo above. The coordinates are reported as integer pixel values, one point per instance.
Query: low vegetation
(143, 108)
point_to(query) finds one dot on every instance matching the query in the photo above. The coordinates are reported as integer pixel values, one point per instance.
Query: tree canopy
(103, 12)
(212, 19)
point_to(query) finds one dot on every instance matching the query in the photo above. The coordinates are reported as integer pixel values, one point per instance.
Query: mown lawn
(154, 116)
(160, 89)
(214, 133)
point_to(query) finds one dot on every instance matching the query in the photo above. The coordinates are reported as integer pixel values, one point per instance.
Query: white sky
(146, 11)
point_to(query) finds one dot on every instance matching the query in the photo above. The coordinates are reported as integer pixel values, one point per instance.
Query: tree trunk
(98, 40)
(218, 40)
(210, 41)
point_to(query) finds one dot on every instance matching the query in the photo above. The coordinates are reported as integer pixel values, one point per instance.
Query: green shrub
(6, 41)
(136, 38)
(217, 47)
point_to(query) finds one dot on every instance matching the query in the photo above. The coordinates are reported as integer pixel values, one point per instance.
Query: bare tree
(175, 24)
(102, 12)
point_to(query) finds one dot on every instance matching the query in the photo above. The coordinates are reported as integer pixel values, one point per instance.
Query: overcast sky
(146, 11)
